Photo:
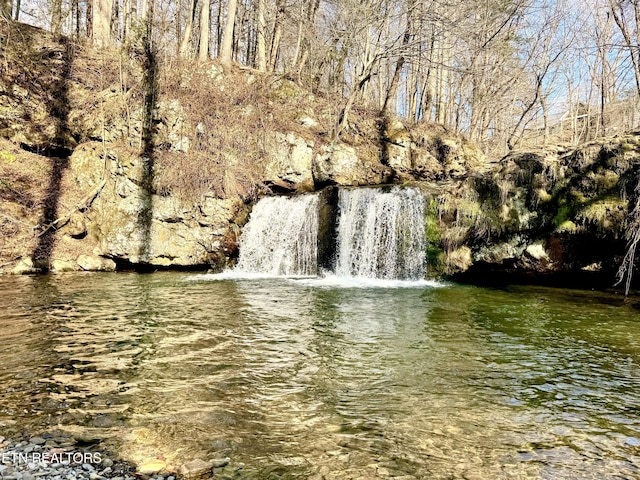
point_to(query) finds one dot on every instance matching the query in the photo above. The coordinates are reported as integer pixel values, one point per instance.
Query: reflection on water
(300, 377)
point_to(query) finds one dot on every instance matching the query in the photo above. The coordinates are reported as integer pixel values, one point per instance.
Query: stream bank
(80, 193)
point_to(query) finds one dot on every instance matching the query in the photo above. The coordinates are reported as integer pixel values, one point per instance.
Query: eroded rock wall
(85, 187)
(558, 210)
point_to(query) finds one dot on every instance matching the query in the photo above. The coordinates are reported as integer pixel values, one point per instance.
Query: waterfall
(281, 237)
(375, 233)
(381, 233)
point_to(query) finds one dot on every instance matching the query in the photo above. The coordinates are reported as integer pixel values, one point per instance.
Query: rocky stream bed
(53, 457)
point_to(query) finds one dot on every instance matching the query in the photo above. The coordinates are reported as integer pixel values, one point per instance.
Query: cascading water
(281, 237)
(381, 234)
(375, 233)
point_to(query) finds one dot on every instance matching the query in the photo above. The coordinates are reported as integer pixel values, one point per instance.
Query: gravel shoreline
(53, 457)
(58, 458)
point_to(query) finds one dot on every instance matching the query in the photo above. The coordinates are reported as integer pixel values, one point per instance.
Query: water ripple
(297, 377)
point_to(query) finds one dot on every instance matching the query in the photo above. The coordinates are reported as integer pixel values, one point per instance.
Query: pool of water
(305, 378)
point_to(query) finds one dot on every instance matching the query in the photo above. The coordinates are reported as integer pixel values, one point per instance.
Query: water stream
(378, 234)
(281, 237)
(366, 371)
(381, 234)
(301, 377)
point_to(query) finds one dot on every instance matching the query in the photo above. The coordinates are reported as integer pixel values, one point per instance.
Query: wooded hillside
(503, 72)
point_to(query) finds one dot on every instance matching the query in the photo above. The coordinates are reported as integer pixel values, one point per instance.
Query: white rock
(96, 264)
(23, 267)
(537, 251)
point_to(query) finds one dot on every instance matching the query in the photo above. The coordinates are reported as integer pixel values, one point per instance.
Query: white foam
(237, 275)
(334, 281)
(328, 281)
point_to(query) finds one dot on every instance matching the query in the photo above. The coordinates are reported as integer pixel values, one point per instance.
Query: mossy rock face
(435, 254)
(543, 211)
(606, 216)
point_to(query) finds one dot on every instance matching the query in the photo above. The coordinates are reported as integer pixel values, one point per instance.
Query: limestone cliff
(113, 159)
(110, 161)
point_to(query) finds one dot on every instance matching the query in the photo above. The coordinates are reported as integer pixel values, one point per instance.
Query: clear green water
(297, 379)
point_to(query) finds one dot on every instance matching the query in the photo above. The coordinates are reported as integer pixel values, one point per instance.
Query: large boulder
(339, 164)
(94, 263)
(132, 224)
(289, 161)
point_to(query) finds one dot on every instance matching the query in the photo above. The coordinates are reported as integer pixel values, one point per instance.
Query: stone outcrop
(340, 165)
(85, 187)
(542, 213)
(428, 152)
(289, 163)
(131, 225)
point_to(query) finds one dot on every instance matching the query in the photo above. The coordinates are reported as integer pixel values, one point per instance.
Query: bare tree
(226, 46)
(626, 14)
(89, 18)
(363, 26)
(101, 23)
(185, 43)
(306, 31)
(261, 50)
(277, 35)
(395, 81)
(56, 16)
(205, 29)
(540, 56)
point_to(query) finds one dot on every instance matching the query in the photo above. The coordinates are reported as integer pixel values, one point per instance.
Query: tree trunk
(56, 17)
(261, 56)
(277, 35)
(205, 26)
(429, 87)
(115, 20)
(185, 44)
(545, 120)
(226, 46)
(76, 12)
(296, 53)
(126, 20)
(395, 81)
(219, 28)
(250, 42)
(89, 19)
(245, 26)
(102, 23)
(309, 22)
(618, 16)
(178, 20)
(363, 79)
(393, 88)
(440, 81)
